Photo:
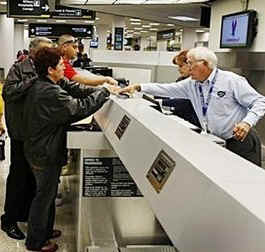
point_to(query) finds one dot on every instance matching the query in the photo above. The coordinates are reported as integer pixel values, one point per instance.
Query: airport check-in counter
(205, 197)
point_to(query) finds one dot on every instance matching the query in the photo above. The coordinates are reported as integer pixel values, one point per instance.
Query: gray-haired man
(20, 184)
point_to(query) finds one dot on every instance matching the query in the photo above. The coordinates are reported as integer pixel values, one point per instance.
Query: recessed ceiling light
(136, 23)
(170, 25)
(200, 31)
(60, 21)
(41, 21)
(181, 30)
(184, 18)
(143, 31)
(146, 26)
(155, 24)
(135, 19)
(138, 28)
(89, 22)
(3, 3)
(22, 20)
(97, 18)
(153, 29)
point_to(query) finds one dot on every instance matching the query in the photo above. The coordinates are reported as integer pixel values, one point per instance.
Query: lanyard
(204, 104)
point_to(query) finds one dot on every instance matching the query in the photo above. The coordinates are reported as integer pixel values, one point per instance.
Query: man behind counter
(68, 47)
(225, 103)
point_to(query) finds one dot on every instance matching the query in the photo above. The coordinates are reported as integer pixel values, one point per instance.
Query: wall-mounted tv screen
(238, 29)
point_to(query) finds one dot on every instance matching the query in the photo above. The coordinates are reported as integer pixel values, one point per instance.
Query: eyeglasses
(70, 41)
(193, 62)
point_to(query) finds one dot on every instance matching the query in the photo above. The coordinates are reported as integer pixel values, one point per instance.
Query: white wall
(26, 39)
(18, 38)
(6, 42)
(223, 7)
(155, 58)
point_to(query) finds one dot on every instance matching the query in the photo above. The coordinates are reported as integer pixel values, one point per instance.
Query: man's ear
(50, 70)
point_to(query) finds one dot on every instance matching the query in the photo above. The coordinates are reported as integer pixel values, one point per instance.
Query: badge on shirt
(221, 93)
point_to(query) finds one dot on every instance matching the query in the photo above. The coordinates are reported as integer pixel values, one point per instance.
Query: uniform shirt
(69, 71)
(233, 100)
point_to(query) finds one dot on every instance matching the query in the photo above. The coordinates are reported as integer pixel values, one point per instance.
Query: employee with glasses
(68, 47)
(226, 105)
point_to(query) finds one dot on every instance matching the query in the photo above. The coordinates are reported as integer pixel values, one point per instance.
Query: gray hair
(34, 43)
(203, 53)
(65, 38)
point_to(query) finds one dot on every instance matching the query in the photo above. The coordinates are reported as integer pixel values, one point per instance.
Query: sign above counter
(41, 8)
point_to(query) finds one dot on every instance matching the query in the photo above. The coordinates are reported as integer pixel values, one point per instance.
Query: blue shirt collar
(211, 76)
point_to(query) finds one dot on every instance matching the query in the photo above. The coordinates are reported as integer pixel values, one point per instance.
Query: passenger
(49, 109)
(225, 103)
(20, 184)
(68, 48)
(182, 107)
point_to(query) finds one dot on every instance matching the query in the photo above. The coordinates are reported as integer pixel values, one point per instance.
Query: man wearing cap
(68, 47)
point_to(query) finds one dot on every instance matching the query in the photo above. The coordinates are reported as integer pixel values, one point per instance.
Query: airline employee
(225, 103)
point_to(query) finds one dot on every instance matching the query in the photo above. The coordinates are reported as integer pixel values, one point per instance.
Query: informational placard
(107, 177)
(160, 170)
(28, 8)
(56, 30)
(118, 38)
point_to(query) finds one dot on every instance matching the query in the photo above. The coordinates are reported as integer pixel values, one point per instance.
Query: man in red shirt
(69, 48)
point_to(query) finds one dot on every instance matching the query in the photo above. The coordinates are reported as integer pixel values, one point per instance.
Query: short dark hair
(46, 57)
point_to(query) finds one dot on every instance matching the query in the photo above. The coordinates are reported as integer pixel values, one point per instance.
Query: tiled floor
(64, 217)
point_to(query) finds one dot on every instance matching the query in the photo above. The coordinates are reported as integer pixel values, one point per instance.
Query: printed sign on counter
(107, 177)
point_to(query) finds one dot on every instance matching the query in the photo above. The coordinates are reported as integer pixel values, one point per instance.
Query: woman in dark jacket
(51, 105)
(182, 107)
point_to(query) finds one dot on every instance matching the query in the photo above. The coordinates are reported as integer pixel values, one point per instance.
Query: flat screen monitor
(93, 44)
(238, 29)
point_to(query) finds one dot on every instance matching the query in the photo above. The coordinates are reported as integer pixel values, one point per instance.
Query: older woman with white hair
(226, 105)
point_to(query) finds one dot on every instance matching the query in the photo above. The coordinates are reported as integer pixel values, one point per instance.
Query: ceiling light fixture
(154, 24)
(135, 19)
(3, 3)
(60, 21)
(184, 18)
(135, 23)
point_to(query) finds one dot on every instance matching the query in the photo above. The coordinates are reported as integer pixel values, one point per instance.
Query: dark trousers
(20, 186)
(42, 211)
(249, 149)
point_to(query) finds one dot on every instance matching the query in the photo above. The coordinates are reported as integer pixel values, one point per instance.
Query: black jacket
(19, 79)
(49, 109)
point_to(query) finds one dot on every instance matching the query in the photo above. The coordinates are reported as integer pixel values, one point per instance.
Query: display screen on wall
(56, 30)
(166, 35)
(238, 29)
(41, 8)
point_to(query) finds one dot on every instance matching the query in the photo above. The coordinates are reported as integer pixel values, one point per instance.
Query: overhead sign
(56, 30)
(41, 8)
(28, 8)
(69, 12)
